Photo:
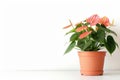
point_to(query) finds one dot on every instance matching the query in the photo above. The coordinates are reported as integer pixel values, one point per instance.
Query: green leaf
(93, 47)
(70, 47)
(87, 24)
(73, 30)
(79, 25)
(87, 44)
(110, 44)
(99, 35)
(102, 27)
(74, 37)
(108, 30)
(81, 43)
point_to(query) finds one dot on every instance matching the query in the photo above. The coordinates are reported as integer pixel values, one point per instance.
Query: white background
(32, 38)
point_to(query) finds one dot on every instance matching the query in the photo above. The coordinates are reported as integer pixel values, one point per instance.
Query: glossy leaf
(74, 37)
(70, 47)
(110, 44)
(71, 31)
(102, 27)
(81, 43)
(99, 35)
(87, 44)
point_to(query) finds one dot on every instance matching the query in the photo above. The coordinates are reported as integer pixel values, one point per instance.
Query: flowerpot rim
(91, 51)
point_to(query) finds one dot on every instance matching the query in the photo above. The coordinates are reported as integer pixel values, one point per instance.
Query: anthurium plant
(92, 34)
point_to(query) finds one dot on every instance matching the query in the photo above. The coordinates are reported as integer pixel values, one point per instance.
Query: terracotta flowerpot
(91, 62)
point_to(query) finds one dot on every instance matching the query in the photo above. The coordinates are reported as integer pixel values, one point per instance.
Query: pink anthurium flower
(105, 21)
(79, 29)
(67, 26)
(93, 20)
(85, 34)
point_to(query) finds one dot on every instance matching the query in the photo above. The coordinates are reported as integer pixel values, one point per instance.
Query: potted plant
(90, 36)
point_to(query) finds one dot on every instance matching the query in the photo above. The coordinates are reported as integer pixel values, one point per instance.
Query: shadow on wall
(113, 61)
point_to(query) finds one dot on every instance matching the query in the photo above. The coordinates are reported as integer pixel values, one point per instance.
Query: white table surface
(55, 75)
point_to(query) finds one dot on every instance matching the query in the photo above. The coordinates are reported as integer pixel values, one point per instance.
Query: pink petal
(67, 26)
(105, 21)
(81, 28)
(85, 34)
(93, 20)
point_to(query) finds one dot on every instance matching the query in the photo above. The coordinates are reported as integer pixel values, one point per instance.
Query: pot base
(91, 73)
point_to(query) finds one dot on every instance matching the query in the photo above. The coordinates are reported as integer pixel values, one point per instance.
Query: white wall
(33, 34)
